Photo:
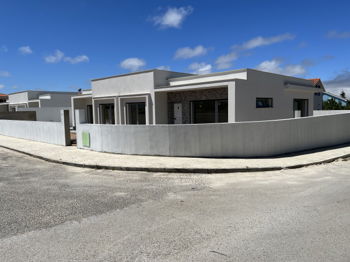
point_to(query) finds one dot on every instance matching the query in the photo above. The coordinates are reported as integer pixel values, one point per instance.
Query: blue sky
(61, 45)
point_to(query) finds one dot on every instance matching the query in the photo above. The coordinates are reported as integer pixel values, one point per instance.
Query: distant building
(321, 97)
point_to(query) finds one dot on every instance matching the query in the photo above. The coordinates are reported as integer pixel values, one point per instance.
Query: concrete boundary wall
(49, 132)
(244, 139)
(50, 114)
(330, 112)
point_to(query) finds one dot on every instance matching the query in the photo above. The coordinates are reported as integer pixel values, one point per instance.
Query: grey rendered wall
(246, 139)
(262, 84)
(50, 114)
(48, 132)
(57, 100)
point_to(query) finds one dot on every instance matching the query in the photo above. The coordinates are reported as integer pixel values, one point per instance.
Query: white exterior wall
(18, 98)
(267, 85)
(247, 139)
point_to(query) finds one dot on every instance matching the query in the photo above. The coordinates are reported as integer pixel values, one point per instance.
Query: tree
(332, 104)
(342, 94)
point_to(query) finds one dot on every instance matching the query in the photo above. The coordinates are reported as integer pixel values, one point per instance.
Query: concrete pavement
(85, 158)
(52, 212)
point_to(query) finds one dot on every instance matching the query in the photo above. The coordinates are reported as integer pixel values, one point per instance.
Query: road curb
(180, 170)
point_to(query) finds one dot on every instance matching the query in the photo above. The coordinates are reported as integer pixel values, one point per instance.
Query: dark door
(107, 114)
(301, 107)
(89, 114)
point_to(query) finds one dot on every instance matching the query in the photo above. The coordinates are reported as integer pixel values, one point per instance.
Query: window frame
(270, 103)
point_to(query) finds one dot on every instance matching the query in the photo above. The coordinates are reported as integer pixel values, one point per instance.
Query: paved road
(50, 212)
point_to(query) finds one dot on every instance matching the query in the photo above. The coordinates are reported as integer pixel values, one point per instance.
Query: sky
(62, 45)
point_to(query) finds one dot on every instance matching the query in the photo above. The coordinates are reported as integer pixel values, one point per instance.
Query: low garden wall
(243, 139)
(48, 132)
(330, 112)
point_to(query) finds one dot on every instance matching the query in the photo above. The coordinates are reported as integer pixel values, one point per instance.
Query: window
(264, 102)
(136, 113)
(209, 111)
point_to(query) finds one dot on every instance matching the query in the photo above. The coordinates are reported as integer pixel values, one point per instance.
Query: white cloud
(225, 61)
(2, 86)
(200, 68)
(167, 68)
(59, 56)
(276, 66)
(173, 17)
(5, 74)
(338, 35)
(263, 41)
(132, 64)
(25, 50)
(188, 52)
(77, 59)
(54, 58)
(340, 82)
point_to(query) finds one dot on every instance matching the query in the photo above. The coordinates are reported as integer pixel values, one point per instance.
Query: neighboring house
(46, 104)
(39, 99)
(3, 104)
(321, 97)
(165, 97)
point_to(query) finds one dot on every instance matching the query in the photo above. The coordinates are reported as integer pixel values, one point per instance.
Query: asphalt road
(50, 212)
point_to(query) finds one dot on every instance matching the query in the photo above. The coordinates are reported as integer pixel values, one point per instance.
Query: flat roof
(135, 73)
(43, 91)
(208, 75)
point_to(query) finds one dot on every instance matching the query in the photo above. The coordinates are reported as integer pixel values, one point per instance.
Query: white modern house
(165, 97)
(39, 99)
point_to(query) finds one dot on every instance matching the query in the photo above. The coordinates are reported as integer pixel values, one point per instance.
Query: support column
(65, 123)
(231, 97)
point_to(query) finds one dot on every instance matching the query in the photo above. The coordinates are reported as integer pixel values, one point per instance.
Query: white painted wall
(246, 139)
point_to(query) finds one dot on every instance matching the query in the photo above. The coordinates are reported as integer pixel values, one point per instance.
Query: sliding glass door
(136, 113)
(209, 111)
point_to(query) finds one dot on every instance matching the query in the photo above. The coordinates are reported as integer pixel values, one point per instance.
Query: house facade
(165, 97)
(39, 99)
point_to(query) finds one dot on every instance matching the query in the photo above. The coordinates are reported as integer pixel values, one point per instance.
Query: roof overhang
(301, 88)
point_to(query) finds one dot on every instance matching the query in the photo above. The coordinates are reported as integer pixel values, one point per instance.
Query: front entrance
(89, 115)
(177, 113)
(136, 113)
(300, 107)
(107, 114)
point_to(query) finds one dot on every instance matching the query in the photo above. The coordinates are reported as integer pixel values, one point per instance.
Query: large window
(262, 102)
(136, 113)
(209, 111)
